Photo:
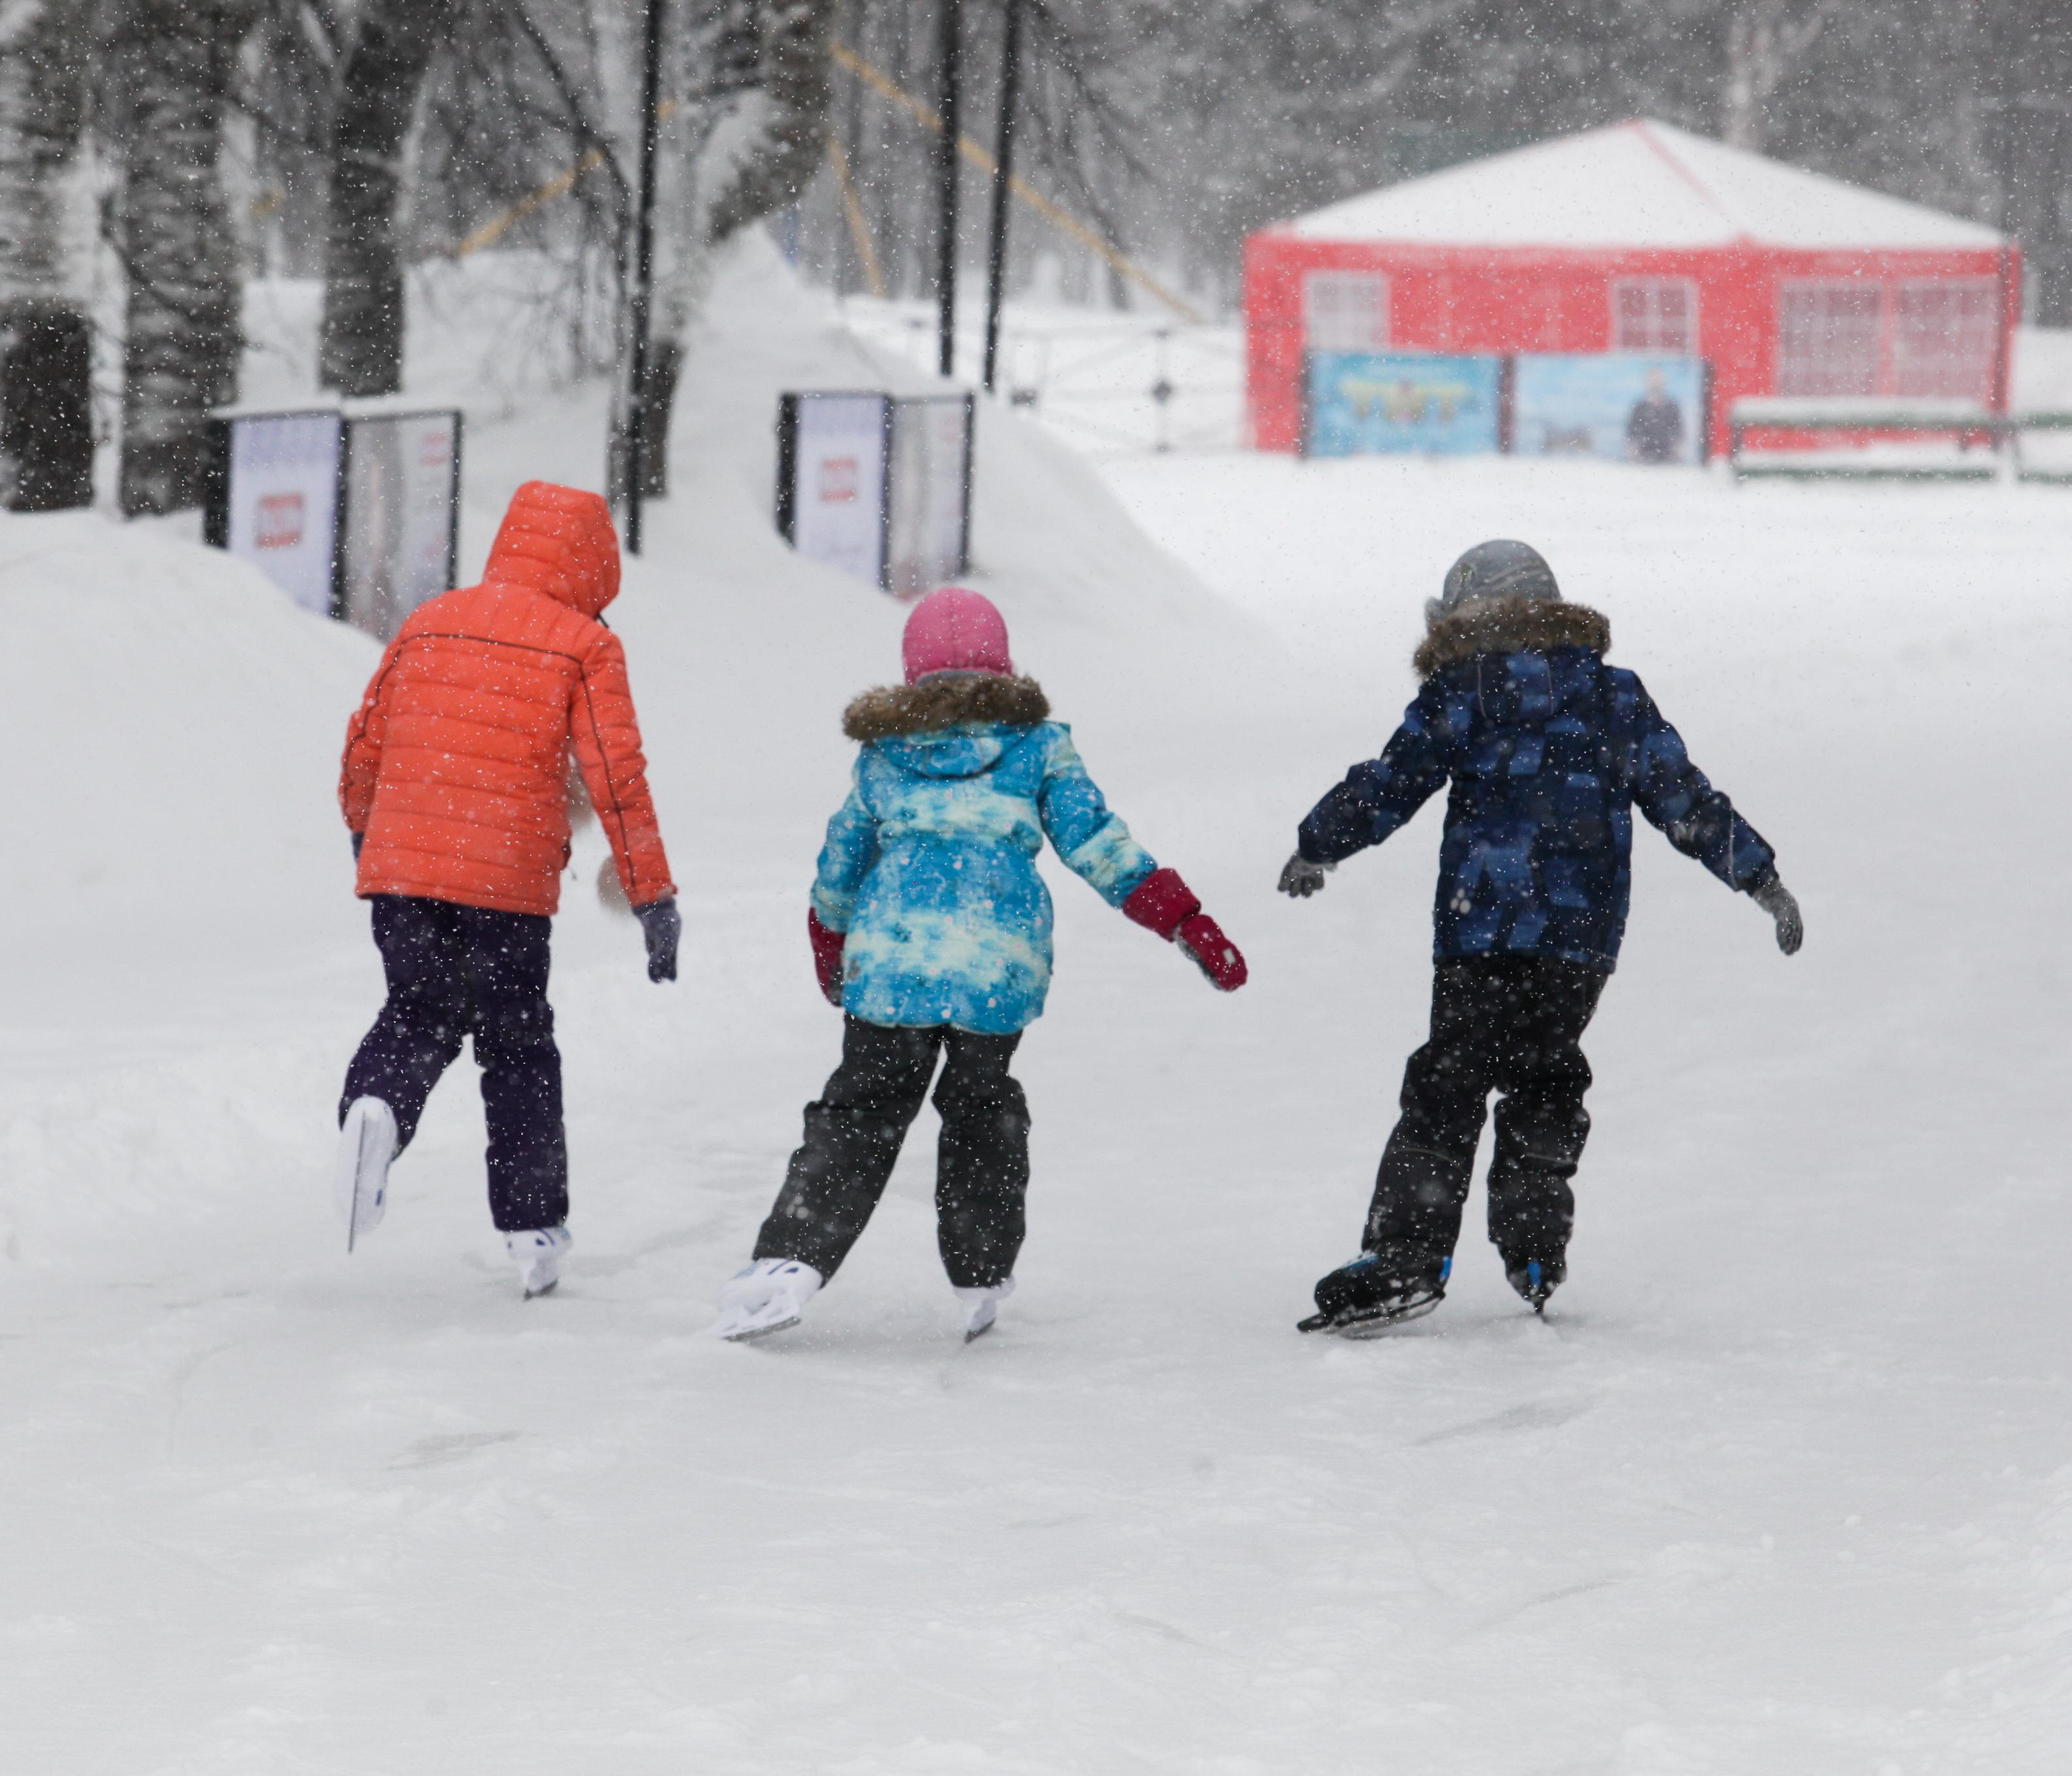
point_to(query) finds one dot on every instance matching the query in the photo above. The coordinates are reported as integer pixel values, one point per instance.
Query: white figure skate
(982, 1307)
(366, 1148)
(767, 1296)
(538, 1252)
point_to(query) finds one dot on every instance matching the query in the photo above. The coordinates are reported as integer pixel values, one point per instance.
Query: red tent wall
(1461, 298)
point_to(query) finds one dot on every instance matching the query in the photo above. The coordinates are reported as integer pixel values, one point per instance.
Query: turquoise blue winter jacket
(930, 866)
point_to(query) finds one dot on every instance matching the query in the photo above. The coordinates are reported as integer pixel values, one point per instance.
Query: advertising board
(402, 498)
(1403, 403)
(274, 498)
(1624, 407)
(928, 529)
(833, 459)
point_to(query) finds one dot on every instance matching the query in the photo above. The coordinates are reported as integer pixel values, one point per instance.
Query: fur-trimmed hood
(896, 712)
(1510, 626)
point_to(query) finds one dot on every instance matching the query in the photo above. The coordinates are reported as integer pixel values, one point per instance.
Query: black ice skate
(1376, 1291)
(1535, 1279)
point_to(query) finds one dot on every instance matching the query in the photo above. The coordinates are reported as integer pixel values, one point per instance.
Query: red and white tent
(1639, 237)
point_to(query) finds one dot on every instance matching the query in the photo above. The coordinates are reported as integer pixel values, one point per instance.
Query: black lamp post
(1003, 178)
(641, 304)
(946, 174)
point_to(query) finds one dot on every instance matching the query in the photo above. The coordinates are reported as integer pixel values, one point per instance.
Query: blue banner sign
(1403, 403)
(1625, 407)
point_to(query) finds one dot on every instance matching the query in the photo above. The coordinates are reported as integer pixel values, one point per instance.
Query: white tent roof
(1639, 184)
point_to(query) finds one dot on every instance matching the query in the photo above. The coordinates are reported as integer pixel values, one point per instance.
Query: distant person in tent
(455, 789)
(931, 930)
(1547, 749)
(1655, 428)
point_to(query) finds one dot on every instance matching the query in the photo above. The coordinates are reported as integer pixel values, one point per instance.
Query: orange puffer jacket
(456, 764)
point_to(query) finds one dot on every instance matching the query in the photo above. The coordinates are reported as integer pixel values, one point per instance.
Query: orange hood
(558, 541)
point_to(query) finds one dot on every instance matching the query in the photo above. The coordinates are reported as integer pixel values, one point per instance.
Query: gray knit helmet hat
(1500, 569)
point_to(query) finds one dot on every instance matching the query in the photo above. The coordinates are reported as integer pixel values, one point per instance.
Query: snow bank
(171, 712)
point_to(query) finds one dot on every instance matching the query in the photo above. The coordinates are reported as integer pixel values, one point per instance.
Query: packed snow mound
(184, 718)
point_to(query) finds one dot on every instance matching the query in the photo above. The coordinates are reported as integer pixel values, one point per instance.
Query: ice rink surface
(1782, 1484)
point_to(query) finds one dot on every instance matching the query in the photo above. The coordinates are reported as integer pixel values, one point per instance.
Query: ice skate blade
(544, 1288)
(1369, 1326)
(973, 1334)
(748, 1332)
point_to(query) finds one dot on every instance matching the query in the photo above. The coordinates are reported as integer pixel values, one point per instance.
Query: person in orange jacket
(455, 787)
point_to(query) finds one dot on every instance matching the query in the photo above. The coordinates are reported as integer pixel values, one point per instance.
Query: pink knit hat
(955, 630)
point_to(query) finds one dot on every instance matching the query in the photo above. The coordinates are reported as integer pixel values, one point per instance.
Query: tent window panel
(1946, 338)
(1344, 311)
(1658, 314)
(1827, 338)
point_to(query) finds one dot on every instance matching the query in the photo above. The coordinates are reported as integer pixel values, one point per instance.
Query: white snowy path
(1782, 1485)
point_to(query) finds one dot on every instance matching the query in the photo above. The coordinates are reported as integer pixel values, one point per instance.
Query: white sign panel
(930, 458)
(400, 501)
(837, 491)
(283, 501)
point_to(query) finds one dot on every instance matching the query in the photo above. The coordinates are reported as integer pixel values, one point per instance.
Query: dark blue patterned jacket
(1549, 751)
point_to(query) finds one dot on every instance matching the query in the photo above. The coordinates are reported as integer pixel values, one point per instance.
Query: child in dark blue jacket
(1548, 750)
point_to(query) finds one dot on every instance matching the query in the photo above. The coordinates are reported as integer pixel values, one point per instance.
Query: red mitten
(827, 948)
(1202, 939)
(1164, 903)
(1160, 901)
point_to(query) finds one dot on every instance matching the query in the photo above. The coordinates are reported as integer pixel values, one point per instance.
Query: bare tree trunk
(46, 341)
(2025, 73)
(362, 348)
(183, 336)
(753, 163)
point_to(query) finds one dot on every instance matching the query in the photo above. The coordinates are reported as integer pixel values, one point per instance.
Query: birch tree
(46, 356)
(1766, 39)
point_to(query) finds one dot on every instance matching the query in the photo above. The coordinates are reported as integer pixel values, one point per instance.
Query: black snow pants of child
(456, 972)
(853, 1135)
(1510, 1024)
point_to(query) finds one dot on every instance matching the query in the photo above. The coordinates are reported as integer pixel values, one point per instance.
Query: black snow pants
(456, 972)
(1509, 1024)
(854, 1131)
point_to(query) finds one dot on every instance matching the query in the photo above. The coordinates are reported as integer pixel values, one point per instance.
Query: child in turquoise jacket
(930, 929)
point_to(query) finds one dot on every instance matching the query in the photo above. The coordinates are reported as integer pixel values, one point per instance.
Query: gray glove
(358, 839)
(1775, 899)
(1300, 879)
(662, 925)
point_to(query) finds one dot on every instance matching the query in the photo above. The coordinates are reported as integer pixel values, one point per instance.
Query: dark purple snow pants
(457, 971)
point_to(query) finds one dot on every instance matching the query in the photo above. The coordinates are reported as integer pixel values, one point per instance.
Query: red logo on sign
(280, 523)
(838, 480)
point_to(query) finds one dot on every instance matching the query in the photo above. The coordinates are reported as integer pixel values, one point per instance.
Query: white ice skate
(366, 1148)
(767, 1296)
(982, 1307)
(538, 1252)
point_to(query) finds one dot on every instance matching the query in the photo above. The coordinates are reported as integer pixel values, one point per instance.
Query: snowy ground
(1783, 1484)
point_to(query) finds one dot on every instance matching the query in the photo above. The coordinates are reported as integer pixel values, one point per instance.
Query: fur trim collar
(894, 711)
(1510, 626)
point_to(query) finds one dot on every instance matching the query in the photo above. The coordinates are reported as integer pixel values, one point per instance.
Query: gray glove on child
(662, 925)
(1300, 879)
(1775, 898)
